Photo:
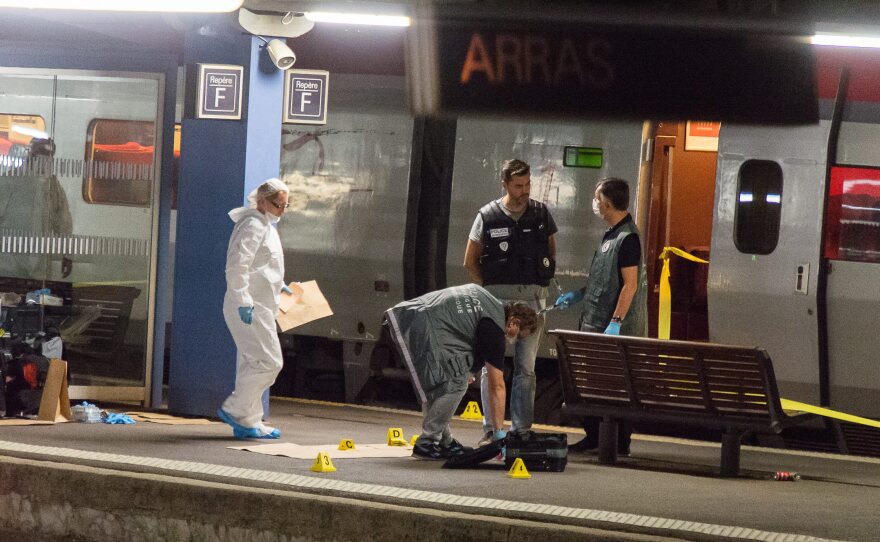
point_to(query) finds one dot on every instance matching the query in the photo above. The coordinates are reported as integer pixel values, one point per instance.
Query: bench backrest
(105, 333)
(715, 380)
(108, 331)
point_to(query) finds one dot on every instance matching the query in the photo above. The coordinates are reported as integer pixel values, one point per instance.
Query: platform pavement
(667, 488)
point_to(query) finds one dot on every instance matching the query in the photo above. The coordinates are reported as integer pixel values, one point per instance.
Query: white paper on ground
(295, 451)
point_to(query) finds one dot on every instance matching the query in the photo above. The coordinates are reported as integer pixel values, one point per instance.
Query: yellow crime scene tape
(665, 312)
(788, 404)
(664, 317)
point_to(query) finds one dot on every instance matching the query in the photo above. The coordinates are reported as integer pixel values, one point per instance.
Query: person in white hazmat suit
(254, 283)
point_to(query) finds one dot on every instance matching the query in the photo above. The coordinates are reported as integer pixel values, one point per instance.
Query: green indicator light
(591, 157)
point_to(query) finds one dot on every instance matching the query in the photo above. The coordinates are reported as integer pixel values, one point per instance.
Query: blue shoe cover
(243, 433)
(227, 419)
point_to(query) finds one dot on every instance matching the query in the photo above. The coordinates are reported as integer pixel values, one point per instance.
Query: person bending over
(444, 338)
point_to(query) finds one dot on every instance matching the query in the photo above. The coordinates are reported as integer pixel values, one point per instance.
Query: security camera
(282, 56)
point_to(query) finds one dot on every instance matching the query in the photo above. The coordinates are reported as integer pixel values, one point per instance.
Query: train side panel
(346, 223)
(853, 249)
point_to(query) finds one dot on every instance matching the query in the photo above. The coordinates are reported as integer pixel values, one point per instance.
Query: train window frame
(758, 211)
(91, 167)
(845, 245)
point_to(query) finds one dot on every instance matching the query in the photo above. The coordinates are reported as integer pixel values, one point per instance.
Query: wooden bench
(103, 336)
(731, 388)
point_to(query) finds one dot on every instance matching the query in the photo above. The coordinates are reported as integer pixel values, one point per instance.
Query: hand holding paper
(290, 294)
(307, 304)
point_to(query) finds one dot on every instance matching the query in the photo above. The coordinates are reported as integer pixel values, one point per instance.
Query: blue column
(221, 161)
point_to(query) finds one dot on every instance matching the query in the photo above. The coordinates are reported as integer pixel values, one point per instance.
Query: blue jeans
(522, 389)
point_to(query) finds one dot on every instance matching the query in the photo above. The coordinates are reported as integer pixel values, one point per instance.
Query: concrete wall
(46, 501)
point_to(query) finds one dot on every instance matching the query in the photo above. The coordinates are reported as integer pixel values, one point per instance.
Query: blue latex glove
(118, 418)
(246, 314)
(286, 289)
(613, 329)
(569, 298)
(499, 434)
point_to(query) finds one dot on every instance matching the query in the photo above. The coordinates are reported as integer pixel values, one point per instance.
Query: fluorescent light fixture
(191, 6)
(773, 198)
(745, 197)
(846, 40)
(357, 18)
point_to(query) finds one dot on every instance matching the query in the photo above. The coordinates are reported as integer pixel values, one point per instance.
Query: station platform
(182, 482)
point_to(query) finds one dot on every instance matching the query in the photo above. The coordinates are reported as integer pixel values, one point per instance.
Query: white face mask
(596, 207)
(272, 218)
(510, 340)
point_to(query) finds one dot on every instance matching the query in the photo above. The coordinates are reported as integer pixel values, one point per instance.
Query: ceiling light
(846, 40)
(357, 18)
(193, 6)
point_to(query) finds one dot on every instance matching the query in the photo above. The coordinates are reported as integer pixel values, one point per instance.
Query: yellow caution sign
(518, 470)
(472, 412)
(322, 463)
(412, 441)
(664, 313)
(827, 412)
(395, 437)
(346, 444)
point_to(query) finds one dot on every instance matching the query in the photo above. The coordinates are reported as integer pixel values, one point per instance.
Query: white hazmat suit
(254, 278)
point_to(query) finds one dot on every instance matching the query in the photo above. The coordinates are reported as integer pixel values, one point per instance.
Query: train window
(758, 207)
(119, 162)
(852, 219)
(16, 133)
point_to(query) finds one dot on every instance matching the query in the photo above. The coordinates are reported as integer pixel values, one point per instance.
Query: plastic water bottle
(86, 413)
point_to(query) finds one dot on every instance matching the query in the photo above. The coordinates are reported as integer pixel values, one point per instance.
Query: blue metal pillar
(221, 161)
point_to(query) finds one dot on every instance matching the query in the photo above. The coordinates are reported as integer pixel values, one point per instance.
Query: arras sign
(517, 67)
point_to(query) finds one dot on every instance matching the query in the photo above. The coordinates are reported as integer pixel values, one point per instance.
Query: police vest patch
(503, 246)
(605, 246)
(546, 262)
(499, 232)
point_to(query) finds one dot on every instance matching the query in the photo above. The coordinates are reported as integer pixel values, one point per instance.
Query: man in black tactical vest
(511, 251)
(615, 294)
(444, 337)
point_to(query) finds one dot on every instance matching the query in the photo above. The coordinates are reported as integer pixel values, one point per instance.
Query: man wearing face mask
(511, 250)
(614, 296)
(444, 337)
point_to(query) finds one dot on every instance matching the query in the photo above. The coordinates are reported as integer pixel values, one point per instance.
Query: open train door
(682, 188)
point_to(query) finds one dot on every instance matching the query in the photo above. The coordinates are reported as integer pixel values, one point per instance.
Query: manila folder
(309, 304)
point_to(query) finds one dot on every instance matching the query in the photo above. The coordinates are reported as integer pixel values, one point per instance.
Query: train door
(765, 247)
(682, 187)
(79, 170)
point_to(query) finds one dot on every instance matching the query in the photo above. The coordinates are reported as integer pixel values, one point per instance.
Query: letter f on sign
(219, 96)
(303, 100)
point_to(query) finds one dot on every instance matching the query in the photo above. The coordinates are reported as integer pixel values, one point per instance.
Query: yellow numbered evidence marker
(323, 464)
(412, 441)
(346, 444)
(518, 470)
(395, 437)
(472, 412)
